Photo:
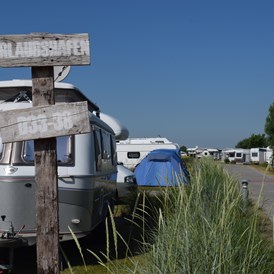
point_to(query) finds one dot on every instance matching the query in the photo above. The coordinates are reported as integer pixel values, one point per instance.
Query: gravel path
(259, 185)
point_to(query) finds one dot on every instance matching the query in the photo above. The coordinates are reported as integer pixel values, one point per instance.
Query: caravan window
(97, 150)
(106, 145)
(105, 155)
(133, 155)
(64, 150)
(113, 150)
(1, 147)
(254, 154)
(28, 154)
(238, 155)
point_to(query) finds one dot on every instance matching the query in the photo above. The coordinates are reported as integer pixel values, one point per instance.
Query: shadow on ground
(25, 258)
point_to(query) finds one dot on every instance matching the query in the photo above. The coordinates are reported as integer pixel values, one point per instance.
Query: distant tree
(255, 140)
(183, 148)
(269, 125)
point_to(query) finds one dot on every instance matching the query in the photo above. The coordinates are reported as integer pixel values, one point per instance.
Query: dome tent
(162, 167)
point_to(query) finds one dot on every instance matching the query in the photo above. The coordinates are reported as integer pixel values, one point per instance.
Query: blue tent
(162, 167)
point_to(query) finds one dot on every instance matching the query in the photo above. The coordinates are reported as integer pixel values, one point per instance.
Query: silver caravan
(87, 170)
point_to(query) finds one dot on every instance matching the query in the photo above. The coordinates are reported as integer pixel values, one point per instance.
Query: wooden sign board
(44, 122)
(44, 49)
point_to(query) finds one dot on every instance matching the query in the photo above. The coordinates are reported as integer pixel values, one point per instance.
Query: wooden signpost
(44, 49)
(44, 122)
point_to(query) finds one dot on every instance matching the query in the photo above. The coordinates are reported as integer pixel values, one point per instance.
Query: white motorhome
(87, 171)
(131, 151)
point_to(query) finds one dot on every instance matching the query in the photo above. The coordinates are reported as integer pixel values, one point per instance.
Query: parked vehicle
(132, 150)
(199, 152)
(126, 182)
(258, 155)
(121, 132)
(86, 163)
(269, 155)
(239, 155)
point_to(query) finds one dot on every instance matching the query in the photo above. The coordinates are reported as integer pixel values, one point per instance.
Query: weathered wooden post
(46, 182)
(43, 122)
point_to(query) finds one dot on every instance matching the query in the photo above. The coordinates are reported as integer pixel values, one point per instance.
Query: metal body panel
(17, 203)
(86, 183)
(80, 209)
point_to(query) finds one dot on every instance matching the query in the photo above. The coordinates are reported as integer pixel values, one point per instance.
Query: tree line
(261, 140)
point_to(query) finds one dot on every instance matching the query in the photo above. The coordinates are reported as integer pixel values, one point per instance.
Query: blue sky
(198, 72)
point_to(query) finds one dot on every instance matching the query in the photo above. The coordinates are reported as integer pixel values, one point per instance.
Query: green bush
(226, 161)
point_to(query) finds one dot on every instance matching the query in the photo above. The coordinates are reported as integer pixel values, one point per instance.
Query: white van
(126, 182)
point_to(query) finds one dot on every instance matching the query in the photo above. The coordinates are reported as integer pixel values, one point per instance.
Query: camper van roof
(64, 92)
(158, 140)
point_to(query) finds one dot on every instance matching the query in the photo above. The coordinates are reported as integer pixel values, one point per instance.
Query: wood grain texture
(46, 182)
(44, 49)
(44, 122)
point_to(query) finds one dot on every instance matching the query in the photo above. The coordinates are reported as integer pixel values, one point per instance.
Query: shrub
(226, 161)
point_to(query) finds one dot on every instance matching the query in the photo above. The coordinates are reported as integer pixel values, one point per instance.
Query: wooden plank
(47, 211)
(44, 122)
(46, 182)
(44, 49)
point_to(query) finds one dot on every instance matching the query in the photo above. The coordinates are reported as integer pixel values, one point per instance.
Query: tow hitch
(9, 240)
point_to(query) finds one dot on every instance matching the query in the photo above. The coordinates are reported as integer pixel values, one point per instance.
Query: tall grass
(206, 228)
(203, 228)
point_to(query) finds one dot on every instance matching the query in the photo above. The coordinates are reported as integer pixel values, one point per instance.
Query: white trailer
(269, 155)
(258, 155)
(197, 152)
(131, 151)
(238, 155)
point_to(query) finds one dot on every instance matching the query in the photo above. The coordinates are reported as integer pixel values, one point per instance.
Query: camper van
(87, 170)
(132, 151)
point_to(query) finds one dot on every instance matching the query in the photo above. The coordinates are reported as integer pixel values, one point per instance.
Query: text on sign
(40, 124)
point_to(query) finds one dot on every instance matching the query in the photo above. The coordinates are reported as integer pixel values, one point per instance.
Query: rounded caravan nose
(121, 132)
